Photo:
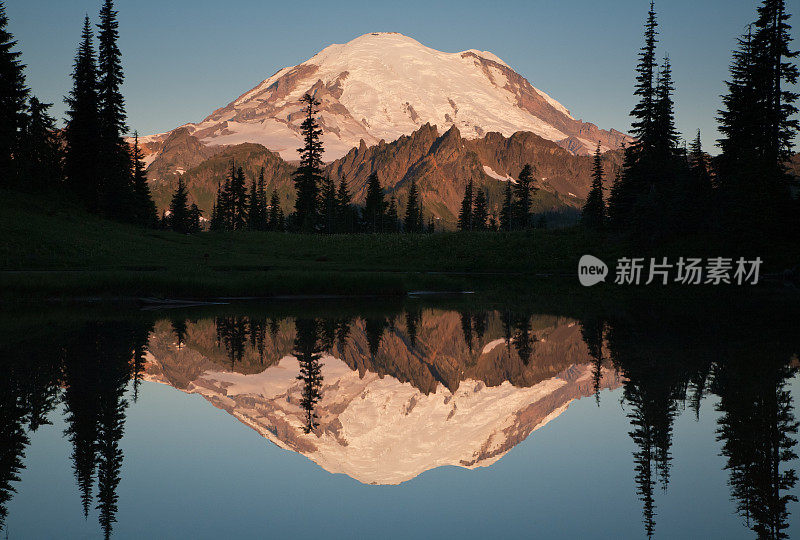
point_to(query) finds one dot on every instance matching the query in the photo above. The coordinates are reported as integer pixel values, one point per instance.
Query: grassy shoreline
(53, 249)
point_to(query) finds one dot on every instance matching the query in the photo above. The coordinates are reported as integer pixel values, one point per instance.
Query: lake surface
(401, 419)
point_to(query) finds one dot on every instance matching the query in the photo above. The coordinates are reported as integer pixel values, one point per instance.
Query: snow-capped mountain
(380, 86)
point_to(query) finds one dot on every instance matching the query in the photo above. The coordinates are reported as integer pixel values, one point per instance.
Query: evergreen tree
(644, 111)
(700, 189)
(194, 219)
(465, 215)
(238, 201)
(253, 209)
(758, 125)
(145, 209)
(594, 211)
(179, 218)
(262, 222)
(431, 224)
(114, 158)
(275, 213)
(327, 206)
(216, 222)
(481, 212)
(39, 162)
(392, 219)
(13, 95)
(374, 205)
(309, 174)
(82, 133)
(522, 191)
(665, 136)
(507, 210)
(413, 219)
(345, 217)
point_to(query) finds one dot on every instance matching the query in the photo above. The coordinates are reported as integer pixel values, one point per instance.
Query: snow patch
(489, 171)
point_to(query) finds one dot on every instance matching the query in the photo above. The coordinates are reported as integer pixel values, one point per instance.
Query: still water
(434, 419)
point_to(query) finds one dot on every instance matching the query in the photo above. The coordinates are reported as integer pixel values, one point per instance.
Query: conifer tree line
(664, 189)
(90, 156)
(515, 212)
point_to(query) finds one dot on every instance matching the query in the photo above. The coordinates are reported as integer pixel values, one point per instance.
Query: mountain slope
(380, 86)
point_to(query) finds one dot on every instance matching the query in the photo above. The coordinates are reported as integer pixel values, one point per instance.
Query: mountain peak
(383, 85)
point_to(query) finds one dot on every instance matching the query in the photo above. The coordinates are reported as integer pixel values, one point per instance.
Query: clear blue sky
(184, 58)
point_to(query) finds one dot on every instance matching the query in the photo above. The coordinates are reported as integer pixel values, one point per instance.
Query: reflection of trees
(466, 328)
(29, 390)
(757, 429)
(592, 331)
(93, 364)
(308, 353)
(232, 333)
(374, 327)
(413, 318)
(669, 362)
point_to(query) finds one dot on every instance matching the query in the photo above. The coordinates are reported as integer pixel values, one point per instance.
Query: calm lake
(414, 418)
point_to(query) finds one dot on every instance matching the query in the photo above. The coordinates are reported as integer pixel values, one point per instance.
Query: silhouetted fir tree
(481, 212)
(275, 213)
(114, 159)
(308, 354)
(327, 206)
(758, 125)
(345, 214)
(145, 214)
(522, 191)
(634, 181)
(179, 219)
(431, 224)
(253, 208)
(413, 219)
(507, 210)
(262, 221)
(82, 133)
(665, 136)
(374, 205)
(392, 219)
(309, 174)
(465, 214)
(195, 226)
(699, 191)
(216, 223)
(644, 111)
(238, 200)
(13, 95)
(594, 210)
(39, 153)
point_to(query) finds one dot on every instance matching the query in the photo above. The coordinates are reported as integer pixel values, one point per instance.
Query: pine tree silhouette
(594, 211)
(146, 214)
(309, 174)
(507, 210)
(374, 205)
(39, 153)
(179, 218)
(522, 191)
(465, 215)
(413, 219)
(13, 95)
(481, 212)
(82, 133)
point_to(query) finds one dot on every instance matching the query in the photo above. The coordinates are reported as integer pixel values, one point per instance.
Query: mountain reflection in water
(382, 395)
